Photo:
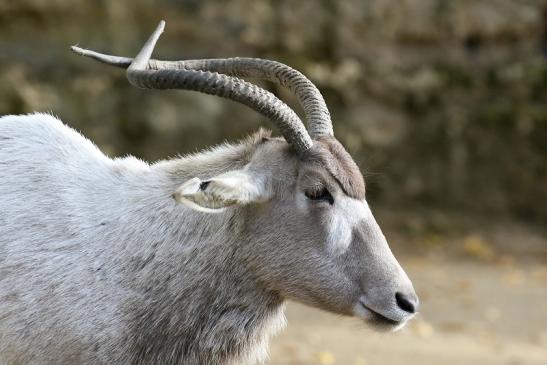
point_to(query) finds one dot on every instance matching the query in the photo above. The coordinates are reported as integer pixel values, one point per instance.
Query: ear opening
(213, 195)
(185, 192)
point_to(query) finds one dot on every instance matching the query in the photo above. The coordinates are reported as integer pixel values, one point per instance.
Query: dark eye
(320, 195)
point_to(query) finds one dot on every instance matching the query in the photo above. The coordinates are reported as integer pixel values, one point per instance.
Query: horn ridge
(309, 97)
(142, 73)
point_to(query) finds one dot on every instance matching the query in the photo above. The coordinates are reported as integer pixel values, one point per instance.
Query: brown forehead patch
(328, 152)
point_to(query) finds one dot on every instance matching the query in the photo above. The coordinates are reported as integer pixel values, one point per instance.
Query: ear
(237, 187)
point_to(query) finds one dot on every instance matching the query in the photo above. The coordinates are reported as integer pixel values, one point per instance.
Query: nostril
(407, 303)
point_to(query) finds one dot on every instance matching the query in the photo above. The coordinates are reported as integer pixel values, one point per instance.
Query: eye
(320, 195)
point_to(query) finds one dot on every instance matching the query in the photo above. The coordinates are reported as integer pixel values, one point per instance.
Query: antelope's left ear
(238, 187)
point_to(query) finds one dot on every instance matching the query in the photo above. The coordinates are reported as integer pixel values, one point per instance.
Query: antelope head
(311, 234)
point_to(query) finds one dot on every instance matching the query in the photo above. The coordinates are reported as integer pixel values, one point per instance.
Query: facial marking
(345, 215)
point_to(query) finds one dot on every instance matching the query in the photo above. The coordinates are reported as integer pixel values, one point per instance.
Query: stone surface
(443, 102)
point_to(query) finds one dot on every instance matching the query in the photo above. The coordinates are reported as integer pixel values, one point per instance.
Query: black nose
(408, 303)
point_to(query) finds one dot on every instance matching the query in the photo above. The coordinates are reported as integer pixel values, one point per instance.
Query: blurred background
(442, 103)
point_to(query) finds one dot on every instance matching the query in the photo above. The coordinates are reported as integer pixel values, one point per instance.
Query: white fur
(346, 214)
(71, 222)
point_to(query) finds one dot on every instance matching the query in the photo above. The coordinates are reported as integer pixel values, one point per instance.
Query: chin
(377, 321)
(381, 324)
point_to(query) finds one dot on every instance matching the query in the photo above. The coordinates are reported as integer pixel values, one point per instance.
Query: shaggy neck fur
(196, 302)
(162, 283)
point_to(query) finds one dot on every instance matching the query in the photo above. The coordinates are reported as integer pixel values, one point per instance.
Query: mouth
(377, 320)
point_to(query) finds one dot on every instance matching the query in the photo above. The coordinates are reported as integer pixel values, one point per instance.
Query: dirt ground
(483, 301)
